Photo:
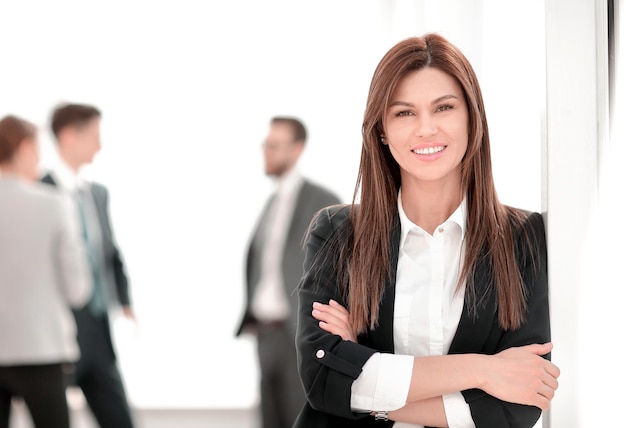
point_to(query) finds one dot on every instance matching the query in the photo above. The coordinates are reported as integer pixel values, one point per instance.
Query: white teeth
(428, 150)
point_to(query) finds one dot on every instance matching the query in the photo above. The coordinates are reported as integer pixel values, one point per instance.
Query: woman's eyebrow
(435, 101)
(400, 103)
(444, 97)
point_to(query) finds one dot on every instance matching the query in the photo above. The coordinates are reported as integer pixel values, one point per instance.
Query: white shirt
(72, 183)
(269, 301)
(69, 181)
(427, 311)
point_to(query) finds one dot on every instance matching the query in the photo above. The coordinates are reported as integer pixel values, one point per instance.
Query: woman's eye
(444, 107)
(403, 113)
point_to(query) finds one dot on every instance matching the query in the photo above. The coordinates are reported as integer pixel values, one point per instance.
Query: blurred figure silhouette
(43, 270)
(76, 128)
(274, 267)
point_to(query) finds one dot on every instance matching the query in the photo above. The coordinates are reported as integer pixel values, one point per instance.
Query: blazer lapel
(99, 199)
(301, 207)
(262, 226)
(474, 328)
(382, 335)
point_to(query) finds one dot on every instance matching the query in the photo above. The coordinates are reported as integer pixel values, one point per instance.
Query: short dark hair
(298, 128)
(14, 130)
(69, 114)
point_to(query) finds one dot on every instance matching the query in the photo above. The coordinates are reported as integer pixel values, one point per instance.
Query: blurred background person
(76, 129)
(43, 270)
(273, 269)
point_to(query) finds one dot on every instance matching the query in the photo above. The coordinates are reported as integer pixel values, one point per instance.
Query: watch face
(381, 416)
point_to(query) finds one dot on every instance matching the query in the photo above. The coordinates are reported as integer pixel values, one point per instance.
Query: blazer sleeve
(327, 364)
(487, 411)
(113, 255)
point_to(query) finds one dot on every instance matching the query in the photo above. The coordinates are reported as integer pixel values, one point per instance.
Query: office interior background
(187, 89)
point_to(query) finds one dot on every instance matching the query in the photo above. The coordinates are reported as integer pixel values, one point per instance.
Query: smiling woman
(427, 120)
(425, 303)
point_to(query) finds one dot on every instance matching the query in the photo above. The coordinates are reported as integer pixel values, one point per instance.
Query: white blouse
(427, 311)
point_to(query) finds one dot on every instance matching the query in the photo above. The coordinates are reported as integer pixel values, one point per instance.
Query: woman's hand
(334, 319)
(520, 375)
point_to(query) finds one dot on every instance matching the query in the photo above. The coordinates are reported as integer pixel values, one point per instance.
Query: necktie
(97, 304)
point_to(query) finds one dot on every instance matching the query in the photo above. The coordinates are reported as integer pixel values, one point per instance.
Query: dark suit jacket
(114, 270)
(328, 365)
(311, 198)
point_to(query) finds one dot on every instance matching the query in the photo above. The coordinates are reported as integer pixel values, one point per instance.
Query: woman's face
(426, 128)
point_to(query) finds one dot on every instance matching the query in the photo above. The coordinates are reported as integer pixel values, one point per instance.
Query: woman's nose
(425, 126)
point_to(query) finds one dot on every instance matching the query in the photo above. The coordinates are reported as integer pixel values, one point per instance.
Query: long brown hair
(364, 259)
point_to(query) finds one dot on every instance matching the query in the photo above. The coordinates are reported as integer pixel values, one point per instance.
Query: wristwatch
(381, 415)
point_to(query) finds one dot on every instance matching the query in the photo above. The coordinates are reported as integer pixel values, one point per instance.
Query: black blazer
(328, 365)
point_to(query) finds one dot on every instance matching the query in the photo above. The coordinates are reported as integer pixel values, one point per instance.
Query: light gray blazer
(43, 273)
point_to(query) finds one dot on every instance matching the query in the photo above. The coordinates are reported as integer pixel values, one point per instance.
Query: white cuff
(384, 383)
(457, 411)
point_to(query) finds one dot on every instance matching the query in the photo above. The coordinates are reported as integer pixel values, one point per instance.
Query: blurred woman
(43, 273)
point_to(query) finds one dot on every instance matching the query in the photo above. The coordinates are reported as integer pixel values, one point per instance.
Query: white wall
(186, 89)
(603, 290)
(571, 182)
(585, 203)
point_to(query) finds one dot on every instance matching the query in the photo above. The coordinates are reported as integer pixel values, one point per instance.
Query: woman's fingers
(546, 392)
(334, 319)
(542, 402)
(521, 375)
(328, 313)
(337, 306)
(553, 370)
(551, 381)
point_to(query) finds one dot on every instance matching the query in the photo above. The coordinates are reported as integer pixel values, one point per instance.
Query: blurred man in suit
(274, 267)
(76, 128)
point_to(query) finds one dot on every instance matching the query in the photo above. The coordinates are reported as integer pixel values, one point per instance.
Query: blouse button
(441, 230)
(320, 353)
